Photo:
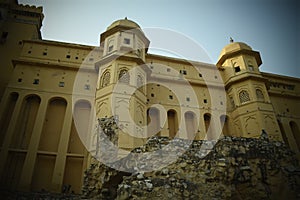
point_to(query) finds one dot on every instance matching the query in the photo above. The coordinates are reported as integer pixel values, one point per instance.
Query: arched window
(260, 95)
(124, 76)
(105, 79)
(244, 96)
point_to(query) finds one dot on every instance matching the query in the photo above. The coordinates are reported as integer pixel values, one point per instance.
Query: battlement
(28, 8)
(20, 9)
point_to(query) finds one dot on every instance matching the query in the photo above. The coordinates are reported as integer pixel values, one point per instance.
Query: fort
(53, 94)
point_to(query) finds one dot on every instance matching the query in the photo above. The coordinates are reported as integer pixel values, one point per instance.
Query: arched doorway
(225, 125)
(283, 134)
(190, 124)
(153, 122)
(295, 130)
(207, 118)
(172, 123)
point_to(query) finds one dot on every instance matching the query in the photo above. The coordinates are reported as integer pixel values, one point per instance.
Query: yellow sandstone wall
(52, 93)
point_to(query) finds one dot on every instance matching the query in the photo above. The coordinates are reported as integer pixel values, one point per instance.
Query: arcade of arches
(191, 124)
(46, 162)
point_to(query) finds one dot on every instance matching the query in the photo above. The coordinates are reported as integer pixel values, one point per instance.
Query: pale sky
(271, 27)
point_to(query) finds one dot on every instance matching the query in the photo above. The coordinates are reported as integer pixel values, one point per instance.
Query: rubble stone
(234, 168)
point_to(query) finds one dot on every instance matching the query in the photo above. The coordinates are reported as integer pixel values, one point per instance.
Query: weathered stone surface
(43, 195)
(234, 168)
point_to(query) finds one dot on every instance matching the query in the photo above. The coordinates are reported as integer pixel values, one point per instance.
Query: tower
(17, 23)
(249, 102)
(121, 92)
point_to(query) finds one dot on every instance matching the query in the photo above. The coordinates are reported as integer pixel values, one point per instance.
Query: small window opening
(87, 87)
(170, 96)
(290, 87)
(126, 41)
(19, 80)
(44, 53)
(237, 69)
(200, 75)
(188, 99)
(205, 100)
(61, 84)
(183, 72)
(110, 48)
(36, 81)
(152, 95)
(68, 56)
(244, 96)
(251, 68)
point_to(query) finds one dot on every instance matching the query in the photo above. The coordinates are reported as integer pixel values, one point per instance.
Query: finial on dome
(231, 40)
(125, 18)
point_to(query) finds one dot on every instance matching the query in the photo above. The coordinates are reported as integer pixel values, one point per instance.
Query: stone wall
(234, 168)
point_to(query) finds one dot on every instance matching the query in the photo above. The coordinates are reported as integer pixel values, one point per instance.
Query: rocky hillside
(232, 168)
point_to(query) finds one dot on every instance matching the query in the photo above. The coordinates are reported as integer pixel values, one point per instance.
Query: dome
(124, 22)
(123, 25)
(233, 47)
